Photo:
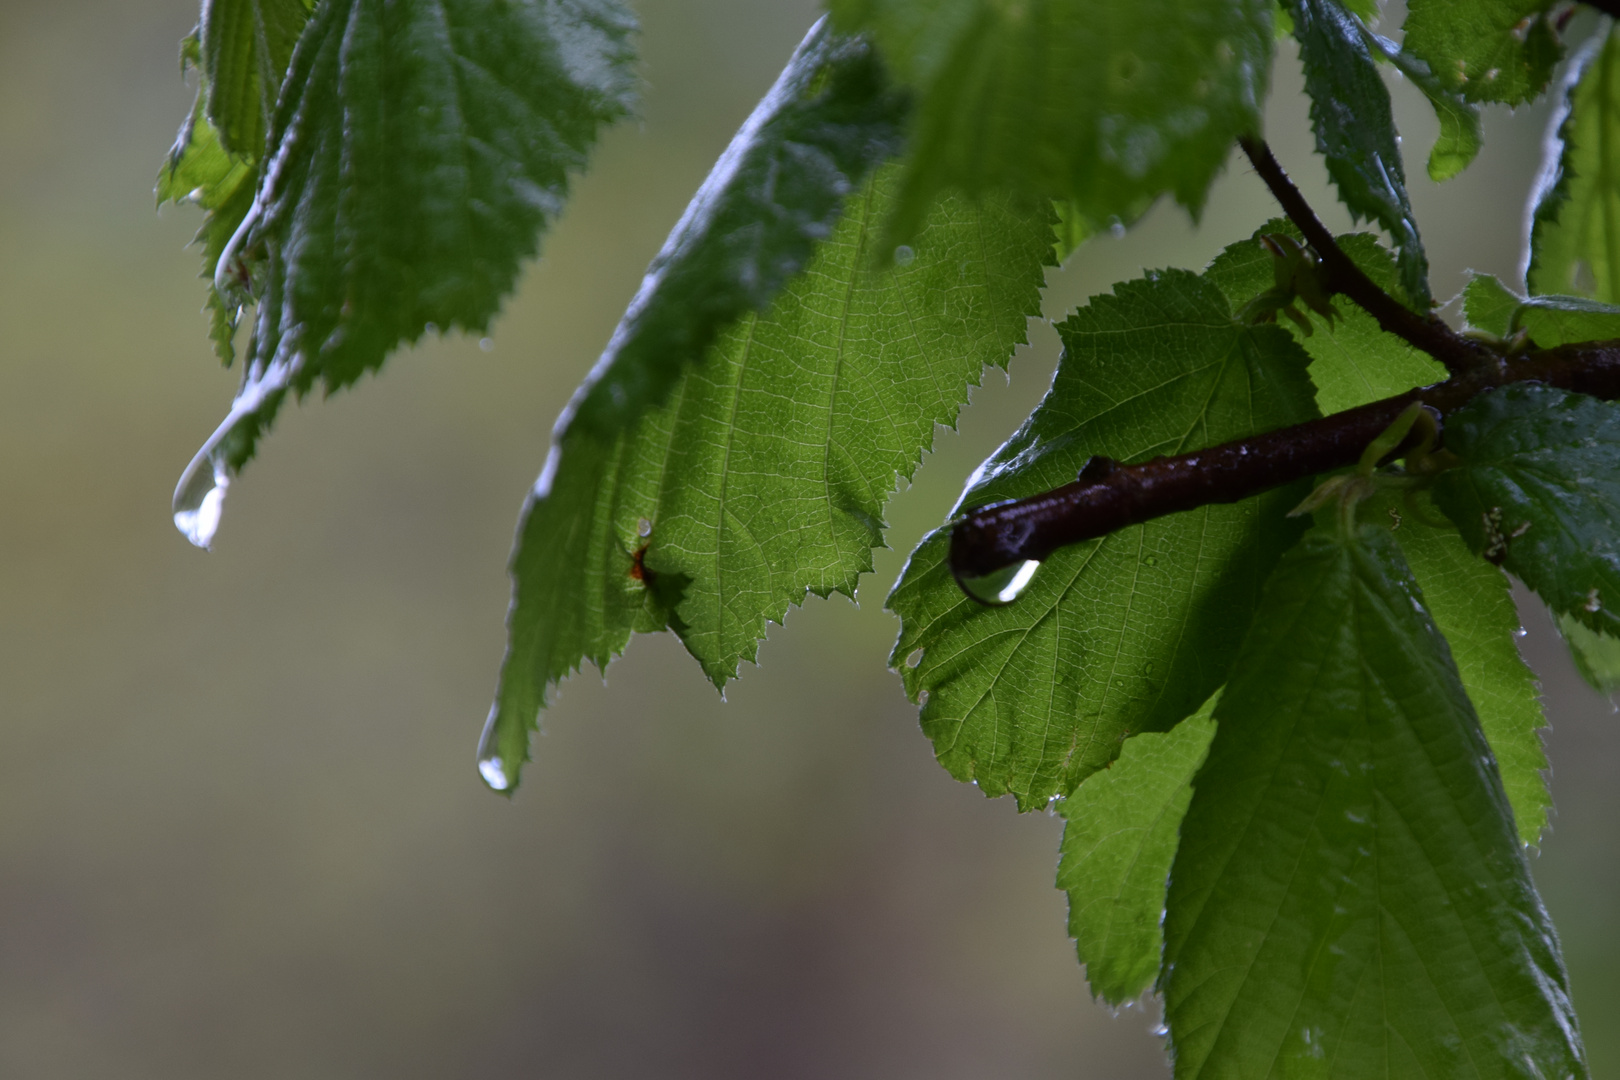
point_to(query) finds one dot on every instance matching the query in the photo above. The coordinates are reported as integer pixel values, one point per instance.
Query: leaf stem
(1104, 500)
(1426, 332)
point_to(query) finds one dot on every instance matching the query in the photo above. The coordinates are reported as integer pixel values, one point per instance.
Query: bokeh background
(241, 834)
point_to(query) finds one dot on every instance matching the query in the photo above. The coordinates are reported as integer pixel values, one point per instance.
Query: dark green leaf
(1538, 492)
(1349, 898)
(1353, 361)
(1472, 604)
(765, 474)
(1132, 632)
(1596, 656)
(1575, 230)
(1100, 104)
(1460, 134)
(1355, 130)
(1486, 50)
(416, 152)
(1123, 826)
(246, 46)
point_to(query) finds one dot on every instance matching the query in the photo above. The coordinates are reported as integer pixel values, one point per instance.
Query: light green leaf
(1122, 827)
(1101, 104)
(1486, 50)
(1560, 320)
(765, 474)
(416, 152)
(1489, 306)
(1460, 134)
(1131, 632)
(246, 46)
(1548, 321)
(201, 172)
(1596, 656)
(1349, 898)
(1538, 492)
(1471, 602)
(1355, 130)
(1575, 227)
(1353, 361)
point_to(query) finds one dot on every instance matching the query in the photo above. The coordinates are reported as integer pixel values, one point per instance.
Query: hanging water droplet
(1001, 586)
(491, 766)
(486, 344)
(200, 499)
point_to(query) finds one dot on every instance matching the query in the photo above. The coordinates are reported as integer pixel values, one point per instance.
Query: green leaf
(1101, 104)
(1575, 227)
(416, 152)
(1122, 828)
(1488, 305)
(1460, 133)
(1131, 632)
(1355, 130)
(200, 171)
(745, 236)
(1596, 656)
(1548, 321)
(1353, 361)
(1472, 603)
(1538, 492)
(1486, 50)
(1349, 898)
(765, 473)
(246, 46)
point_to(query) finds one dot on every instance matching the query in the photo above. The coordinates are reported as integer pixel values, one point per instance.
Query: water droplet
(643, 527)
(1152, 560)
(1147, 668)
(1001, 586)
(491, 766)
(915, 658)
(903, 255)
(199, 501)
(487, 344)
(1520, 632)
(199, 497)
(1117, 230)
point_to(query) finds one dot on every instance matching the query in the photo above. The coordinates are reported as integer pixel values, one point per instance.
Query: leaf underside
(1122, 828)
(1132, 632)
(765, 474)
(1349, 898)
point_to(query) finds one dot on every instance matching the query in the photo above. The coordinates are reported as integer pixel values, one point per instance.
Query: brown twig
(1111, 497)
(1426, 332)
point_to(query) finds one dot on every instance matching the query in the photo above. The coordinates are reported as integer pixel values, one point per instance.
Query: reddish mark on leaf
(638, 567)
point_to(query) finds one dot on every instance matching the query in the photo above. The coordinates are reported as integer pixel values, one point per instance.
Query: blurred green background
(241, 834)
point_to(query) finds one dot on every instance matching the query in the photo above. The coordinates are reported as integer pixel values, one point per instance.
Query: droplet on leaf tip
(486, 344)
(491, 766)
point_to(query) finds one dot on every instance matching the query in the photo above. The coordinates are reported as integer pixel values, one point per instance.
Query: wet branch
(1110, 496)
(1426, 332)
